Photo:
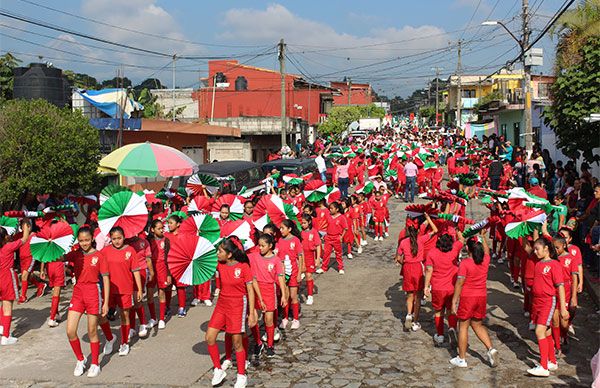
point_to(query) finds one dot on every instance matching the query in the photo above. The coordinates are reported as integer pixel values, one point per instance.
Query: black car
(300, 166)
(240, 173)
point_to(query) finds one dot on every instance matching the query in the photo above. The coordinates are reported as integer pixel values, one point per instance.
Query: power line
(470, 20)
(137, 31)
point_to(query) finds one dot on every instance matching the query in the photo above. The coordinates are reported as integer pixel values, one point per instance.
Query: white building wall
(183, 98)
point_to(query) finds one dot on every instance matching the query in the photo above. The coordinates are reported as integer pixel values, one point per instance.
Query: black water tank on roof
(241, 83)
(40, 81)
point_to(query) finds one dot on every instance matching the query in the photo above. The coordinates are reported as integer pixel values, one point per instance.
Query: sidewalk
(591, 285)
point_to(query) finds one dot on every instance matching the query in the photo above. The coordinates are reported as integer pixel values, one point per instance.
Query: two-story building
(351, 93)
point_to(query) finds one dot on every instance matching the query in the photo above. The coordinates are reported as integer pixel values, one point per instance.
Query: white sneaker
(350, 256)
(1, 330)
(320, 270)
(438, 339)
(132, 333)
(108, 346)
(531, 326)
(79, 368)
(416, 326)
(526, 314)
(424, 301)
(284, 323)
(161, 324)
(151, 323)
(94, 371)
(52, 323)
(264, 337)
(124, 350)
(408, 321)
(6, 341)
(226, 364)
(459, 362)
(539, 371)
(359, 250)
(492, 356)
(571, 330)
(500, 260)
(207, 302)
(277, 335)
(216, 293)
(363, 242)
(341, 272)
(241, 381)
(295, 324)
(143, 333)
(195, 302)
(386, 234)
(552, 366)
(397, 196)
(218, 376)
(309, 300)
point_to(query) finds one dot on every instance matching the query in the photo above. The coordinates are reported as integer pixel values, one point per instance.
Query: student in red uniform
(122, 262)
(410, 255)
(55, 273)
(470, 300)
(174, 222)
(336, 228)
(441, 265)
(8, 281)
(89, 265)
(158, 247)
(268, 272)
(321, 216)
(26, 261)
(349, 239)
(379, 212)
(355, 219)
(289, 249)
(548, 278)
(365, 213)
(144, 256)
(235, 303)
(311, 244)
(560, 326)
(574, 250)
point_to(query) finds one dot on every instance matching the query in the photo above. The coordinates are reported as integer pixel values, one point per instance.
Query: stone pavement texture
(351, 337)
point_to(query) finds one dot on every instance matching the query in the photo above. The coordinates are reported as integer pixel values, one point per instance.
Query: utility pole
(349, 81)
(437, 92)
(526, 80)
(459, 94)
(282, 72)
(212, 103)
(174, 59)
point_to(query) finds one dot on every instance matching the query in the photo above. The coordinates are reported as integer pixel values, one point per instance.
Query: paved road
(352, 336)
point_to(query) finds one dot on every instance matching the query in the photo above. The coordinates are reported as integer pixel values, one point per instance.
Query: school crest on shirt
(162, 245)
(237, 273)
(127, 255)
(293, 246)
(546, 269)
(573, 252)
(94, 261)
(310, 237)
(567, 262)
(270, 267)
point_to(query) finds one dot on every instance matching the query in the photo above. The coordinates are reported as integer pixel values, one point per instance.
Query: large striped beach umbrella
(148, 160)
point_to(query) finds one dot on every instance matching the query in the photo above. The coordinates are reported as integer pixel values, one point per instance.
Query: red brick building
(360, 94)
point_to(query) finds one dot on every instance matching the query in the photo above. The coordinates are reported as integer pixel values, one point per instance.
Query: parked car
(242, 173)
(298, 166)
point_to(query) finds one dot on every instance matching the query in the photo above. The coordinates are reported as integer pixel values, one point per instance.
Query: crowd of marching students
(439, 258)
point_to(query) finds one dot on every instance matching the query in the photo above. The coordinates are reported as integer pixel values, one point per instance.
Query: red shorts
(87, 298)
(230, 315)
(567, 296)
(471, 307)
(293, 280)
(441, 299)
(26, 263)
(143, 277)
(56, 274)
(542, 310)
(309, 261)
(268, 291)
(122, 301)
(160, 274)
(412, 274)
(8, 285)
(378, 217)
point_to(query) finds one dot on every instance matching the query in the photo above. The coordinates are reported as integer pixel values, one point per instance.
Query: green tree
(149, 83)
(8, 63)
(45, 149)
(151, 108)
(80, 80)
(116, 82)
(341, 116)
(576, 95)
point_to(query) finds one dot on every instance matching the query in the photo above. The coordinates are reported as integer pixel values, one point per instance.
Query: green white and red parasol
(525, 223)
(293, 179)
(272, 209)
(198, 182)
(192, 260)
(365, 188)
(235, 203)
(315, 190)
(125, 209)
(201, 225)
(148, 160)
(390, 174)
(429, 165)
(241, 229)
(109, 191)
(9, 224)
(52, 242)
(333, 195)
(200, 203)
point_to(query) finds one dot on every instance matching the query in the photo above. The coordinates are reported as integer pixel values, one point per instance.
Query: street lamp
(526, 82)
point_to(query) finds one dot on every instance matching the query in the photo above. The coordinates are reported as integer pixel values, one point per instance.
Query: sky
(394, 45)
